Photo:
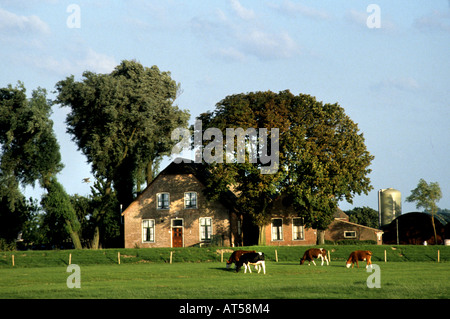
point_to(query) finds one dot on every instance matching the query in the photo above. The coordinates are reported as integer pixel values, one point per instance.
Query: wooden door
(177, 237)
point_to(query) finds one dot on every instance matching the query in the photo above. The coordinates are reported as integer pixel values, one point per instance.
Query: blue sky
(393, 81)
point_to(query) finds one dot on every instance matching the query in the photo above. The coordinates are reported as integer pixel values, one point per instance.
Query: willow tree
(122, 122)
(321, 156)
(29, 149)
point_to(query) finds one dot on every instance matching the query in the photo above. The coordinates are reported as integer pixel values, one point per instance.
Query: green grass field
(283, 280)
(197, 273)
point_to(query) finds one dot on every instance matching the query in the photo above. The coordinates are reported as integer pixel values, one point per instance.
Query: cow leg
(321, 257)
(326, 259)
(313, 262)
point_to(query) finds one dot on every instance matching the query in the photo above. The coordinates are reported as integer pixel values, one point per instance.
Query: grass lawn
(210, 280)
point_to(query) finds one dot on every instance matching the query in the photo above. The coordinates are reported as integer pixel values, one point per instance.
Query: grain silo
(389, 205)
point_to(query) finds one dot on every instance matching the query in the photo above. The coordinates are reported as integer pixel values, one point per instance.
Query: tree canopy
(122, 122)
(29, 151)
(426, 195)
(322, 156)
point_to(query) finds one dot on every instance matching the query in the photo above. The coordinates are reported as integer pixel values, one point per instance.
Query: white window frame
(300, 229)
(202, 226)
(278, 230)
(148, 228)
(190, 200)
(158, 200)
(350, 236)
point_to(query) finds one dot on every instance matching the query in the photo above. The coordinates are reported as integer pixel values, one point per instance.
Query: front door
(177, 237)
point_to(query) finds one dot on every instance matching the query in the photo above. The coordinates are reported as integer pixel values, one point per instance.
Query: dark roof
(443, 218)
(183, 168)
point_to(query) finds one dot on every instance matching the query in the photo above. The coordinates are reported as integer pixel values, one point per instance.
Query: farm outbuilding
(416, 228)
(341, 229)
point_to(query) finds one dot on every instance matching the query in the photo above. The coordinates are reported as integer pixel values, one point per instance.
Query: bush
(7, 246)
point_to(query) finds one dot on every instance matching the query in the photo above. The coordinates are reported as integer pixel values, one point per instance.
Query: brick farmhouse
(172, 211)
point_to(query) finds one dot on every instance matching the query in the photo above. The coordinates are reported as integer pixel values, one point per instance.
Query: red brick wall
(145, 207)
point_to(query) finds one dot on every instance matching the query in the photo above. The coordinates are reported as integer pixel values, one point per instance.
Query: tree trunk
(434, 229)
(262, 235)
(74, 236)
(96, 239)
(320, 237)
(149, 172)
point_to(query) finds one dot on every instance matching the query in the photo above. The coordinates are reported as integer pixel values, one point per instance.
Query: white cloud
(89, 61)
(293, 9)
(236, 36)
(435, 21)
(230, 54)
(268, 45)
(359, 18)
(12, 23)
(242, 12)
(399, 83)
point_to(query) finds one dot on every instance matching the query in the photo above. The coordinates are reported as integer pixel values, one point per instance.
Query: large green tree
(122, 122)
(322, 156)
(29, 149)
(426, 195)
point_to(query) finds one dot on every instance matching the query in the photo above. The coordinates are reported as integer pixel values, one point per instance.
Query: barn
(341, 229)
(415, 228)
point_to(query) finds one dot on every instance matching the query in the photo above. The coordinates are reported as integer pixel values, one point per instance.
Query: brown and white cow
(234, 258)
(359, 255)
(256, 259)
(312, 253)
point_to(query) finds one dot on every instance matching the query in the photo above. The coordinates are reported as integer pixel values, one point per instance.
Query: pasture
(212, 281)
(205, 277)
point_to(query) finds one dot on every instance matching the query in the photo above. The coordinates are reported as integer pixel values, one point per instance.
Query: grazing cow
(359, 255)
(255, 259)
(234, 258)
(312, 253)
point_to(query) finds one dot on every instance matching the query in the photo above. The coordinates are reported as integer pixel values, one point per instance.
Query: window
(163, 200)
(205, 228)
(298, 231)
(177, 222)
(190, 200)
(277, 229)
(148, 230)
(350, 234)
